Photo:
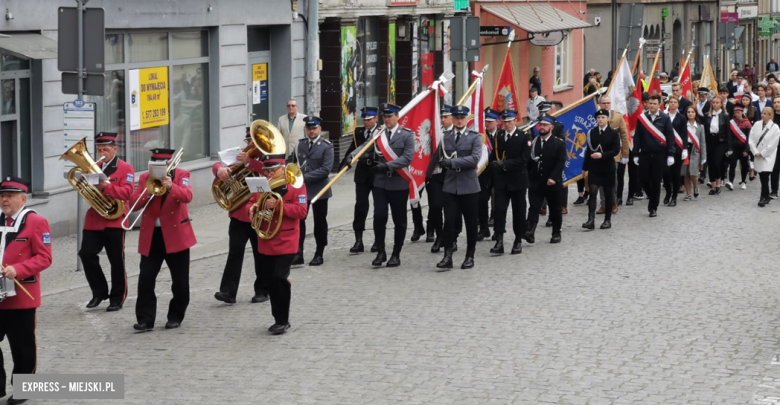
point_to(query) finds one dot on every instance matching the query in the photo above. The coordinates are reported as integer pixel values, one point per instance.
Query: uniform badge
(185, 182)
(302, 199)
(130, 177)
(47, 239)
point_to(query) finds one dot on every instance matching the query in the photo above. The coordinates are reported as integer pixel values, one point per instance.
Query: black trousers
(581, 185)
(435, 206)
(503, 198)
(609, 200)
(536, 194)
(276, 270)
(417, 217)
(239, 232)
(651, 170)
(744, 162)
(113, 240)
(621, 179)
(716, 160)
(672, 179)
(486, 190)
(19, 326)
(362, 191)
(765, 179)
(634, 182)
(455, 207)
(776, 173)
(320, 209)
(179, 265)
(396, 200)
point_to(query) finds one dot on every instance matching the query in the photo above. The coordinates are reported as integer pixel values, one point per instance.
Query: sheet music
(95, 178)
(229, 156)
(258, 184)
(158, 169)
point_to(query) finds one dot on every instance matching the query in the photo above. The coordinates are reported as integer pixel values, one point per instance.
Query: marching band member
(390, 188)
(764, 138)
(654, 143)
(486, 177)
(716, 129)
(364, 179)
(603, 146)
(545, 178)
(314, 156)
(166, 235)
(740, 130)
(672, 174)
(510, 180)
(460, 152)
(276, 253)
(239, 232)
(697, 152)
(25, 251)
(102, 233)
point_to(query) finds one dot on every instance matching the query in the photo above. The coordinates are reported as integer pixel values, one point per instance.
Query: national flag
(685, 81)
(577, 120)
(505, 95)
(621, 87)
(707, 77)
(476, 104)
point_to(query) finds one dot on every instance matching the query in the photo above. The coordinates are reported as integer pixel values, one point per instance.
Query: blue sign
(263, 91)
(78, 103)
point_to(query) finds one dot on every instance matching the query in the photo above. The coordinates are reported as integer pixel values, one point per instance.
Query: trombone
(154, 188)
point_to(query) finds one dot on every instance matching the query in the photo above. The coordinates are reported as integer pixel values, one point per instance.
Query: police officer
(364, 179)
(545, 178)
(510, 180)
(276, 254)
(390, 188)
(239, 231)
(314, 156)
(25, 251)
(434, 182)
(459, 156)
(100, 232)
(485, 178)
(166, 235)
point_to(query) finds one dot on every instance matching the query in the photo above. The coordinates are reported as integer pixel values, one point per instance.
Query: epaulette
(407, 130)
(326, 141)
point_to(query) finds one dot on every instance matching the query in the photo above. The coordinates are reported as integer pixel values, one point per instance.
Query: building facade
(215, 65)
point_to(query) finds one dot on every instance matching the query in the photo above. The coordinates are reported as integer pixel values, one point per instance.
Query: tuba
(107, 207)
(234, 193)
(263, 221)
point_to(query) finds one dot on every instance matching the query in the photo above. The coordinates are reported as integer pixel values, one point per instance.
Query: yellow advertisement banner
(259, 72)
(153, 96)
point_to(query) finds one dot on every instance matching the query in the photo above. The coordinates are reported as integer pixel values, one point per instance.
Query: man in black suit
(364, 179)
(654, 143)
(545, 178)
(684, 102)
(486, 177)
(672, 173)
(728, 105)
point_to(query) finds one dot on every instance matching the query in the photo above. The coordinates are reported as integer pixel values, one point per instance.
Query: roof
(29, 46)
(536, 19)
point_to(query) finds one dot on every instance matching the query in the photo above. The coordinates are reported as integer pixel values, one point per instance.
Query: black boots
(529, 235)
(590, 224)
(484, 232)
(498, 249)
(436, 248)
(446, 262)
(468, 263)
(358, 246)
(317, 260)
(607, 223)
(517, 247)
(381, 257)
(395, 257)
(429, 235)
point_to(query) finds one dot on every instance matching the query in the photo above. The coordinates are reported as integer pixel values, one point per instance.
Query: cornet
(154, 188)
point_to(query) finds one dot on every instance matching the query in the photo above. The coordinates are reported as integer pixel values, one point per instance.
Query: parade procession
(389, 201)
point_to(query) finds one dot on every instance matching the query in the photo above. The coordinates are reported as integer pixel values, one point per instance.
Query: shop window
(115, 49)
(190, 107)
(563, 64)
(148, 47)
(189, 44)
(10, 62)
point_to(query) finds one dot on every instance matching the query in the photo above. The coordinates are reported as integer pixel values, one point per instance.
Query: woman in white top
(697, 153)
(763, 141)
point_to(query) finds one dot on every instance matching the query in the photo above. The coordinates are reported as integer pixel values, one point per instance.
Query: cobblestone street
(679, 309)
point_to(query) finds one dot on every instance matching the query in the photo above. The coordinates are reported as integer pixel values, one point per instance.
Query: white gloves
(624, 160)
(729, 153)
(670, 160)
(685, 154)
(636, 161)
(703, 162)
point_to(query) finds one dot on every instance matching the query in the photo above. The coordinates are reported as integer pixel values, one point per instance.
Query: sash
(20, 219)
(678, 139)
(737, 132)
(657, 134)
(390, 155)
(694, 140)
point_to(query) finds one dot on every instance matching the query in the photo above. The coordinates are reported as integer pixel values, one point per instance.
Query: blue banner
(577, 120)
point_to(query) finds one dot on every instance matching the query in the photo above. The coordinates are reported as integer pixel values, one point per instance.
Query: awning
(537, 19)
(28, 46)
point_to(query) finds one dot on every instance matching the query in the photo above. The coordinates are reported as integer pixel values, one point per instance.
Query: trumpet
(154, 188)
(263, 220)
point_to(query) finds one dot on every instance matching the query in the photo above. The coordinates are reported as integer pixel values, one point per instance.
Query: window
(184, 55)
(563, 64)
(15, 140)
(366, 83)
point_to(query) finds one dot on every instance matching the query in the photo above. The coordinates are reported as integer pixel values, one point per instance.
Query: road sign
(494, 30)
(664, 13)
(67, 40)
(472, 41)
(77, 123)
(94, 85)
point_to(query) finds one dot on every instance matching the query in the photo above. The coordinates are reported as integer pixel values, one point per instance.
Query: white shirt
(602, 129)
(450, 128)
(531, 107)
(762, 104)
(715, 123)
(699, 105)
(392, 131)
(671, 116)
(693, 127)
(753, 97)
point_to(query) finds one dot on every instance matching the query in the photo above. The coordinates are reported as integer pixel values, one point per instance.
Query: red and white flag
(634, 107)
(505, 94)
(685, 82)
(476, 104)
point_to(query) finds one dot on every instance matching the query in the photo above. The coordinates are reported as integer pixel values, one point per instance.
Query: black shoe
(529, 234)
(556, 238)
(673, 203)
(297, 260)
(712, 192)
(717, 190)
(629, 201)
(590, 223)
(607, 224)
(548, 223)
(762, 203)
(95, 302)
(436, 248)
(224, 297)
(429, 239)
(773, 196)
(114, 307)
(317, 260)
(277, 329)
(498, 248)
(417, 234)
(374, 248)
(446, 262)
(357, 247)
(701, 180)
(394, 261)
(620, 201)
(143, 327)
(258, 298)
(381, 257)
(172, 325)
(484, 232)
(468, 263)
(12, 401)
(667, 199)
(517, 247)
(579, 201)
(653, 213)
(493, 238)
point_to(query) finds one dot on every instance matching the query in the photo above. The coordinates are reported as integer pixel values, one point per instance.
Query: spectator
(587, 77)
(772, 66)
(291, 125)
(675, 72)
(763, 145)
(592, 87)
(535, 80)
(533, 101)
(747, 72)
(609, 78)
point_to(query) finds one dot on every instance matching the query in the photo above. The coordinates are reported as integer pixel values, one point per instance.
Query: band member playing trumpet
(239, 231)
(277, 252)
(105, 233)
(25, 251)
(166, 235)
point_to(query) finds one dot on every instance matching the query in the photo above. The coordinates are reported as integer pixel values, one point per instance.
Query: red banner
(634, 111)
(505, 95)
(421, 120)
(686, 83)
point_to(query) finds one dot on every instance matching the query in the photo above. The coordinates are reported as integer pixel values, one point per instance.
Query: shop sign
(747, 12)
(401, 3)
(148, 98)
(727, 17)
(259, 83)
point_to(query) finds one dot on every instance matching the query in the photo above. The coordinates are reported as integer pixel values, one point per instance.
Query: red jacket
(286, 241)
(120, 187)
(174, 218)
(242, 213)
(29, 251)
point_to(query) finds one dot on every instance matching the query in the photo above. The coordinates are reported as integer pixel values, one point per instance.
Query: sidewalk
(210, 224)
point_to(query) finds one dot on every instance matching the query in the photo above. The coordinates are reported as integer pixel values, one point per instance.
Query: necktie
(389, 134)
(310, 144)
(457, 137)
(8, 221)
(542, 144)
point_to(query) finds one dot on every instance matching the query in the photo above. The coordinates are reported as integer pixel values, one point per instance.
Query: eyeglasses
(606, 102)
(292, 105)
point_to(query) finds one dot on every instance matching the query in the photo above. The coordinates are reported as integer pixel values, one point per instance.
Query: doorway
(259, 101)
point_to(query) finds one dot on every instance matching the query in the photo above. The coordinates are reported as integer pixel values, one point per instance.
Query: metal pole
(465, 79)
(614, 35)
(80, 201)
(312, 58)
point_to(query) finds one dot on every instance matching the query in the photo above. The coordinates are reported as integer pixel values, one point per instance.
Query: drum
(7, 288)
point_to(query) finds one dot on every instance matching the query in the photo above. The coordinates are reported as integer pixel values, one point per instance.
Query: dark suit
(672, 179)
(684, 103)
(364, 179)
(549, 164)
(486, 188)
(511, 179)
(652, 155)
(718, 144)
(601, 171)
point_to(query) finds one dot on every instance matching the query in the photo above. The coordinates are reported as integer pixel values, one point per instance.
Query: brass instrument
(106, 207)
(155, 188)
(262, 221)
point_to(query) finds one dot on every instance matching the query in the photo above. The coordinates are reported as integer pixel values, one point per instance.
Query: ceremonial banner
(505, 94)
(634, 111)
(707, 77)
(350, 61)
(476, 104)
(620, 88)
(685, 81)
(577, 120)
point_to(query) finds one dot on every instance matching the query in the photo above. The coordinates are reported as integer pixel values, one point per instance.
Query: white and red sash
(678, 139)
(737, 132)
(694, 140)
(390, 155)
(652, 129)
